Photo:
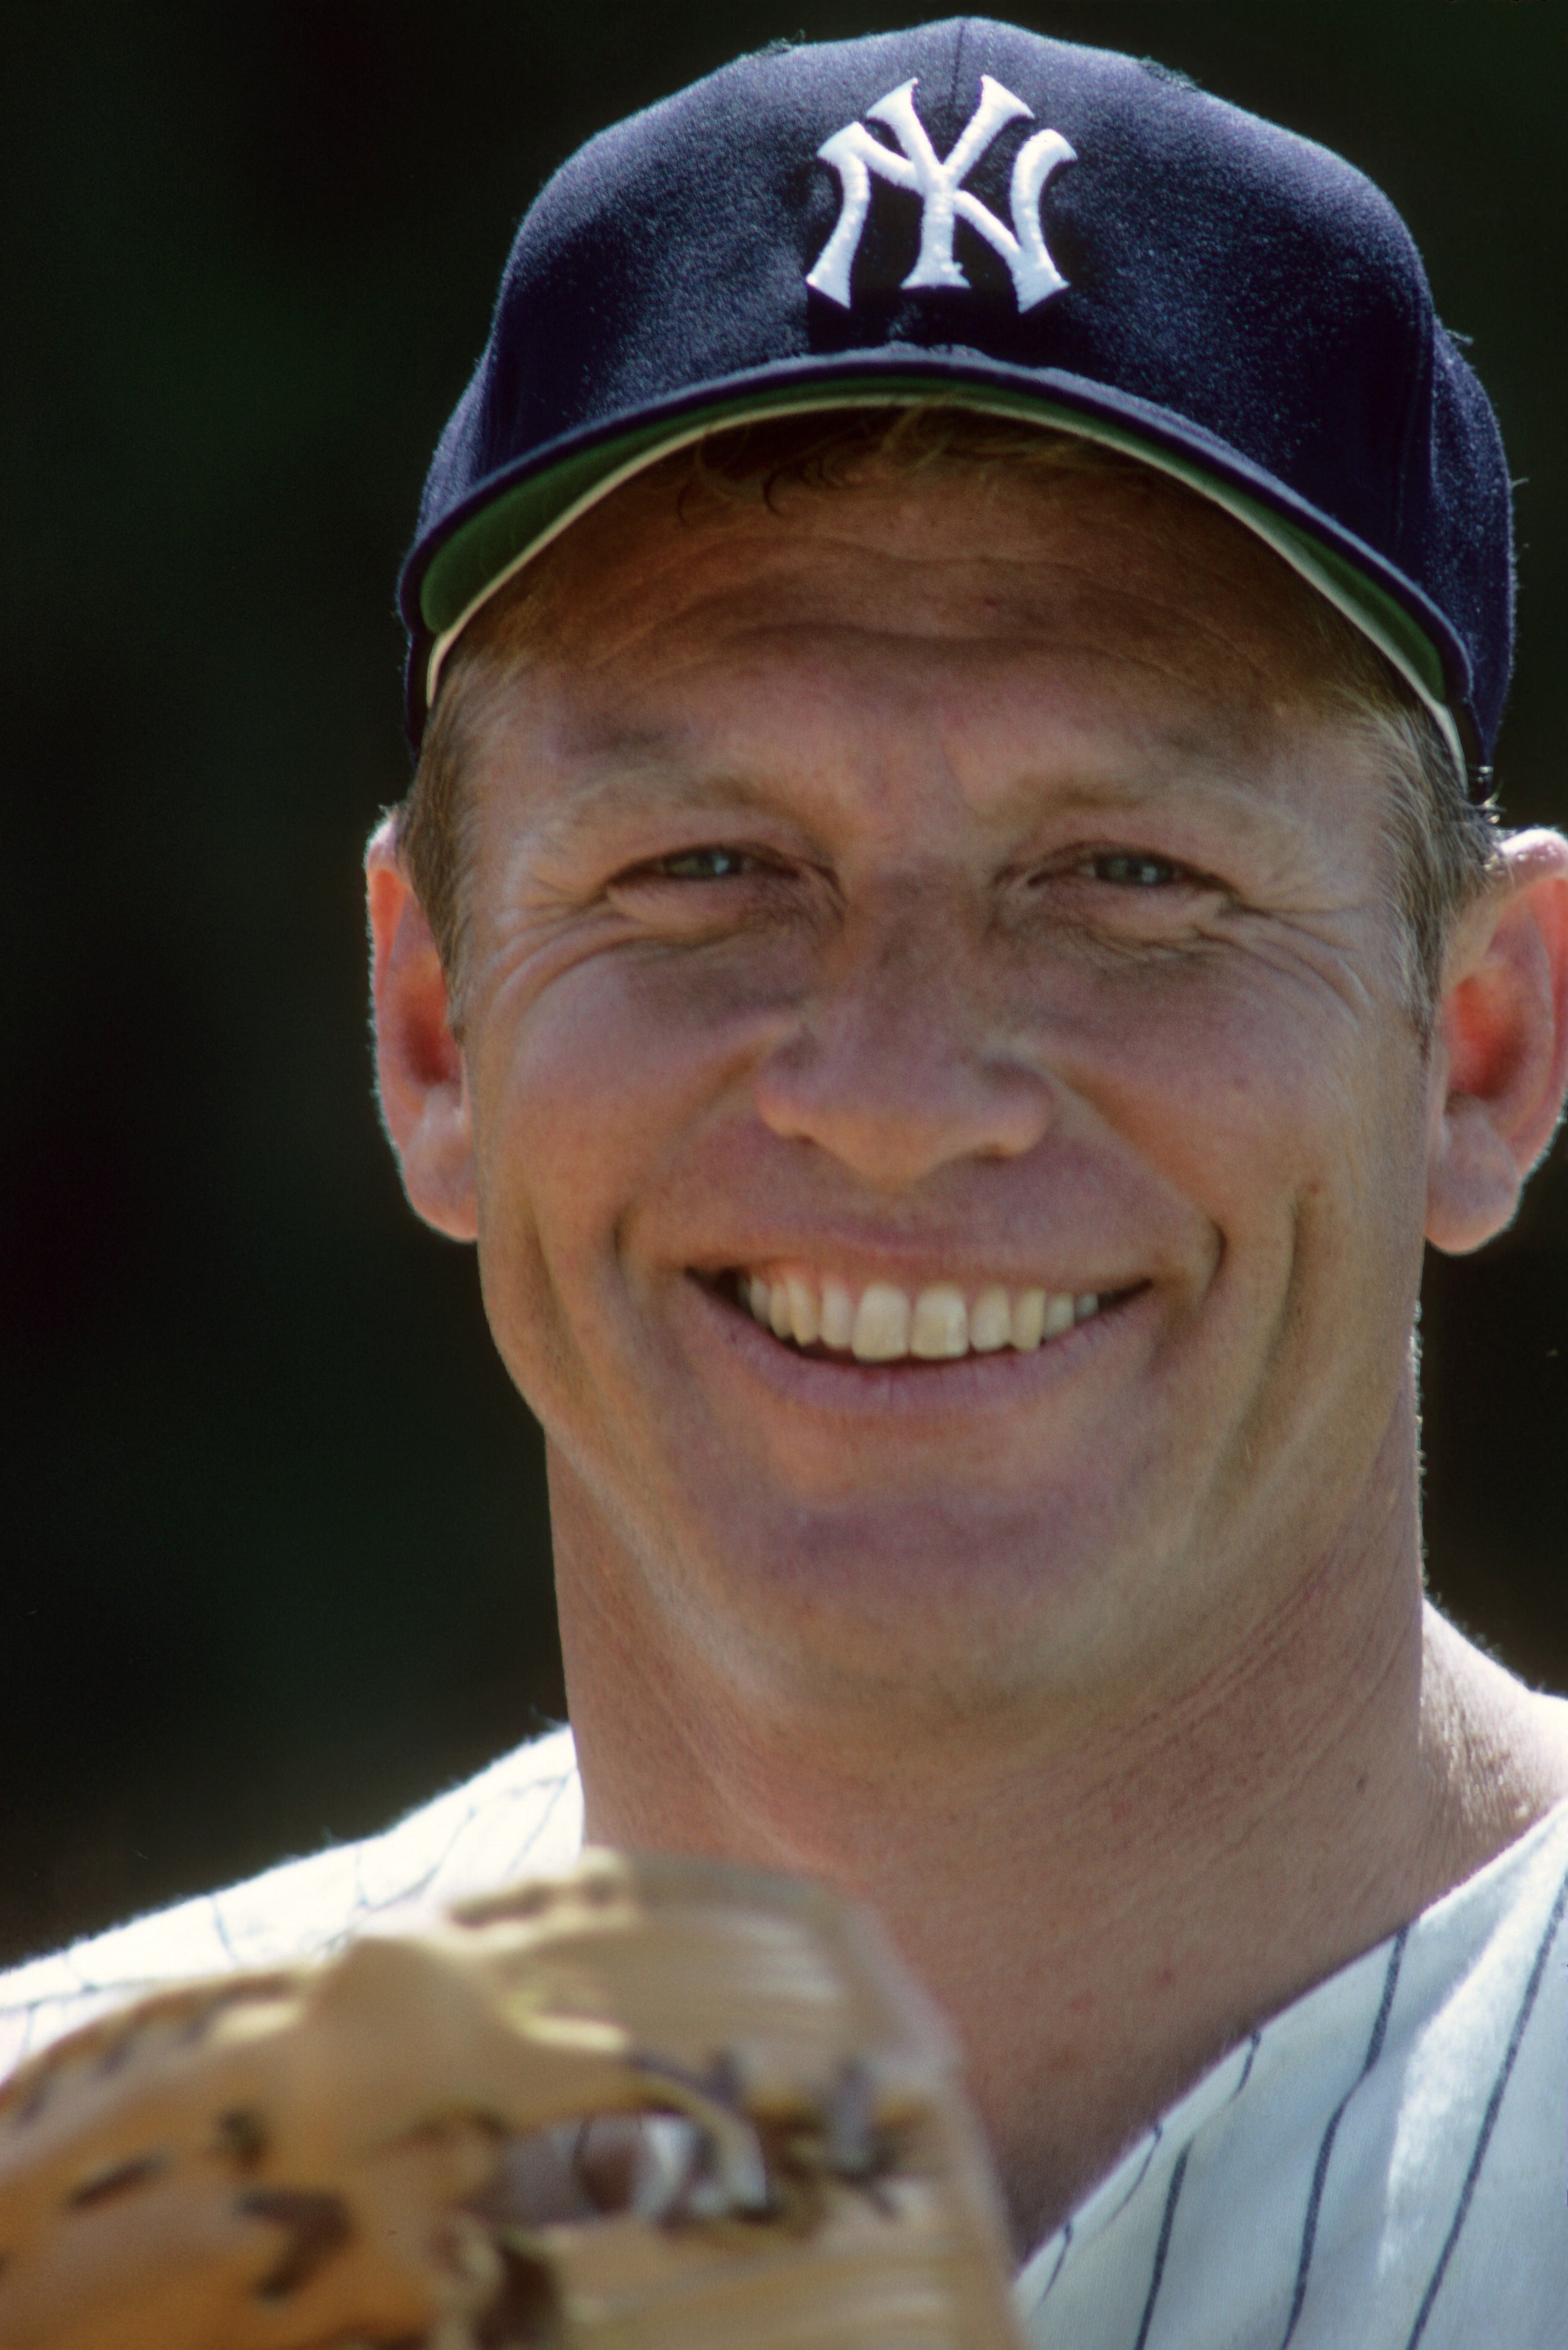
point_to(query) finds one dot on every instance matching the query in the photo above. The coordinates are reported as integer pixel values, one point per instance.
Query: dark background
(275, 1556)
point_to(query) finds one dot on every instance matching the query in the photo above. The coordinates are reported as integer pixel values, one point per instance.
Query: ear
(419, 1065)
(1499, 1062)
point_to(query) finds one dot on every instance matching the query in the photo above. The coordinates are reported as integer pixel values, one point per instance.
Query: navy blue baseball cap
(969, 213)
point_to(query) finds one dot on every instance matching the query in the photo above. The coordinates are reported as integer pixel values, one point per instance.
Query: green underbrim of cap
(495, 544)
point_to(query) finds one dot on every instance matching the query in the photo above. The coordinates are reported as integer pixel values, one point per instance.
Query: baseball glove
(652, 2104)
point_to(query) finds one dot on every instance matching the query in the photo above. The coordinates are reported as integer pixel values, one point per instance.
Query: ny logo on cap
(855, 154)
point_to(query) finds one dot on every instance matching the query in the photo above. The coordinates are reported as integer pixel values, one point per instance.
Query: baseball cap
(970, 214)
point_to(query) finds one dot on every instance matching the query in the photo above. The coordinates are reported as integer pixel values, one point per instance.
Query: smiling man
(946, 947)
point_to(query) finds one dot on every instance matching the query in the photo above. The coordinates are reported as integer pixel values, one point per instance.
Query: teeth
(881, 1324)
(838, 1316)
(940, 1325)
(989, 1321)
(1059, 1313)
(1029, 1311)
(805, 1321)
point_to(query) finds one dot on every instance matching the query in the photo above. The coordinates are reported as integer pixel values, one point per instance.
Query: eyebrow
(635, 769)
(1090, 796)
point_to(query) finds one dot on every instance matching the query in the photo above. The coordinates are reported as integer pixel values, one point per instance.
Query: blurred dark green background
(275, 1558)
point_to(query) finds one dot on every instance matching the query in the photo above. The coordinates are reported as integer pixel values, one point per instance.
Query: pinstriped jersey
(1382, 2165)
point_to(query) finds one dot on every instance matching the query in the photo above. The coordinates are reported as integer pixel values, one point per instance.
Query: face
(949, 1145)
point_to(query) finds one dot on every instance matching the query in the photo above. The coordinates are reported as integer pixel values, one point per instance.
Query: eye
(702, 865)
(1130, 869)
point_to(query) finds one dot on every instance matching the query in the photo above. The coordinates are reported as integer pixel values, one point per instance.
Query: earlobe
(419, 1063)
(1499, 1062)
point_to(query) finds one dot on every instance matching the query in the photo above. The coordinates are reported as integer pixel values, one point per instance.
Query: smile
(881, 1324)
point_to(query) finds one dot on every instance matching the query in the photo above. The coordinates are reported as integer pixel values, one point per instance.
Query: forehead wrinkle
(1175, 570)
(1190, 715)
(762, 640)
(1203, 657)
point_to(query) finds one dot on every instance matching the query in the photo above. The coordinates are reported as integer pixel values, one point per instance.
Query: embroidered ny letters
(855, 154)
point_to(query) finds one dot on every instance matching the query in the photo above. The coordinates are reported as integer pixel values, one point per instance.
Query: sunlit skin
(971, 878)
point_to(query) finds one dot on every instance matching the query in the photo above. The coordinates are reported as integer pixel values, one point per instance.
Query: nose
(899, 1065)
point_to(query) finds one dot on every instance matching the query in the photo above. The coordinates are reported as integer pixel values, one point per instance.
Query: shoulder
(1368, 2165)
(523, 1812)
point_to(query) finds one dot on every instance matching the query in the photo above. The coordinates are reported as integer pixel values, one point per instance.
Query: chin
(914, 1598)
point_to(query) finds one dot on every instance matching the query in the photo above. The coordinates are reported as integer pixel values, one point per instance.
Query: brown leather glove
(653, 2105)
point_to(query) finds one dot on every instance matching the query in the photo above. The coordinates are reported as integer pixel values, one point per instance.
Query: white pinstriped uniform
(1383, 2166)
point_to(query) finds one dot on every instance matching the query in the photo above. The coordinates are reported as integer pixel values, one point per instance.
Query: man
(945, 948)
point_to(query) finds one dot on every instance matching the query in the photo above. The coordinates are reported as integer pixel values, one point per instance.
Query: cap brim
(514, 515)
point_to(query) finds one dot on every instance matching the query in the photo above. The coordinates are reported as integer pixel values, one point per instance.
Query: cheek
(1292, 1124)
(1288, 1112)
(589, 1099)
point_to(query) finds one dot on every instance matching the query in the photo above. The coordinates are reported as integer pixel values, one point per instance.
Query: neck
(1101, 1914)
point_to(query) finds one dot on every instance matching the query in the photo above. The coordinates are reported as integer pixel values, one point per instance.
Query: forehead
(1116, 557)
(677, 624)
